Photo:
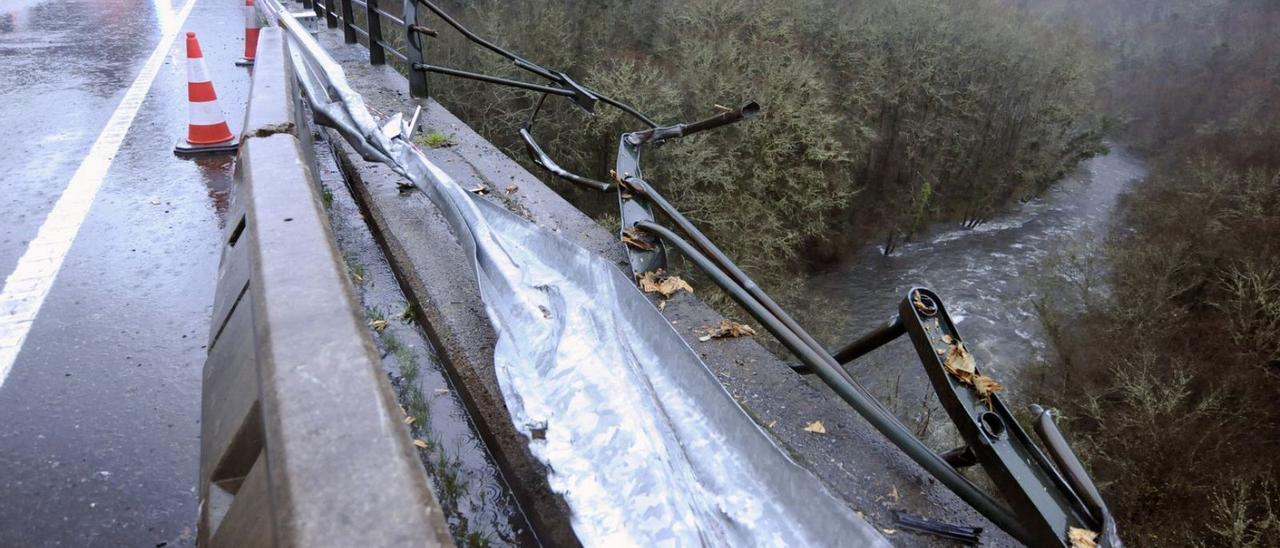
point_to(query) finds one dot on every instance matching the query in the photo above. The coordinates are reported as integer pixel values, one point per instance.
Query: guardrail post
(376, 54)
(413, 50)
(318, 6)
(306, 4)
(348, 23)
(330, 14)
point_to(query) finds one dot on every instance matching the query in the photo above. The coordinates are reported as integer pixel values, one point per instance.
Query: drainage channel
(476, 500)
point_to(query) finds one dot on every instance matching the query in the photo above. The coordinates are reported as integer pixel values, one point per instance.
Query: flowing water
(984, 276)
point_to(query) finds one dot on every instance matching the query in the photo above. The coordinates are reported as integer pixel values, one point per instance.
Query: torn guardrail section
(639, 438)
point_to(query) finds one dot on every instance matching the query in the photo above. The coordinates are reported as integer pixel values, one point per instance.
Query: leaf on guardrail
(986, 387)
(816, 427)
(638, 239)
(1082, 538)
(663, 284)
(918, 301)
(726, 330)
(960, 363)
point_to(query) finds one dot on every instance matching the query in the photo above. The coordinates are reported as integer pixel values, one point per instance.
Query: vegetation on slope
(1168, 366)
(879, 117)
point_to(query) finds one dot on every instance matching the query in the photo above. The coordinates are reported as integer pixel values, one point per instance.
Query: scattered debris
(726, 330)
(816, 427)
(420, 444)
(638, 239)
(512, 189)
(378, 325)
(546, 312)
(921, 524)
(1082, 538)
(662, 283)
(479, 191)
(409, 419)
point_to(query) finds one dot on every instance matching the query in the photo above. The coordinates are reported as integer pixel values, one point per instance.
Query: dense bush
(1169, 378)
(1167, 330)
(879, 115)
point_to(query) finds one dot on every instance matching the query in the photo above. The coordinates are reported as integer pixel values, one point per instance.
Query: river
(985, 276)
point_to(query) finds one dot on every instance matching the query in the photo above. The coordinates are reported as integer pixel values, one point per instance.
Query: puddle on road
(477, 503)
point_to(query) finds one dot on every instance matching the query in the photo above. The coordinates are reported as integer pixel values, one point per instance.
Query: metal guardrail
(342, 12)
(301, 438)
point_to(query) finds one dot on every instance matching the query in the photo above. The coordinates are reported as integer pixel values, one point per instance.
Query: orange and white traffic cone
(207, 131)
(251, 27)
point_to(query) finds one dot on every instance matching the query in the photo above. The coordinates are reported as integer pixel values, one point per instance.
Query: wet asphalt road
(99, 416)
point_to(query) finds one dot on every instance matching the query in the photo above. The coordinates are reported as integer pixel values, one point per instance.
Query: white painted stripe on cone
(196, 71)
(27, 286)
(250, 17)
(206, 113)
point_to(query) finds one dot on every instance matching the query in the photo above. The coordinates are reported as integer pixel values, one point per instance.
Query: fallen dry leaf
(727, 329)
(1082, 538)
(662, 283)
(409, 419)
(480, 190)
(960, 363)
(947, 339)
(420, 444)
(918, 301)
(986, 386)
(513, 189)
(636, 238)
(816, 427)
(378, 325)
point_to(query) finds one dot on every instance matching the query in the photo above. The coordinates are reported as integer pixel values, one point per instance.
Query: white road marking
(27, 286)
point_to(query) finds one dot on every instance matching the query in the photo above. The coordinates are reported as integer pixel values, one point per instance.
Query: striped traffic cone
(208, 131)
(251, 27)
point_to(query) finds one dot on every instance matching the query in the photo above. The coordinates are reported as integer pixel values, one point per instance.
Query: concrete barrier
(302, 442)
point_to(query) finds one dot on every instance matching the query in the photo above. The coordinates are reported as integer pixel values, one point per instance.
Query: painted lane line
(27, 286)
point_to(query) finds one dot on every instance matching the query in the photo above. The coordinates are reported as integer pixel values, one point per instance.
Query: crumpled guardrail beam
(301, 438)
(639, 438)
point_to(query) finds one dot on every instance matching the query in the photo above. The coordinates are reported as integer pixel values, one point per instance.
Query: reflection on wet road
(99, 437)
